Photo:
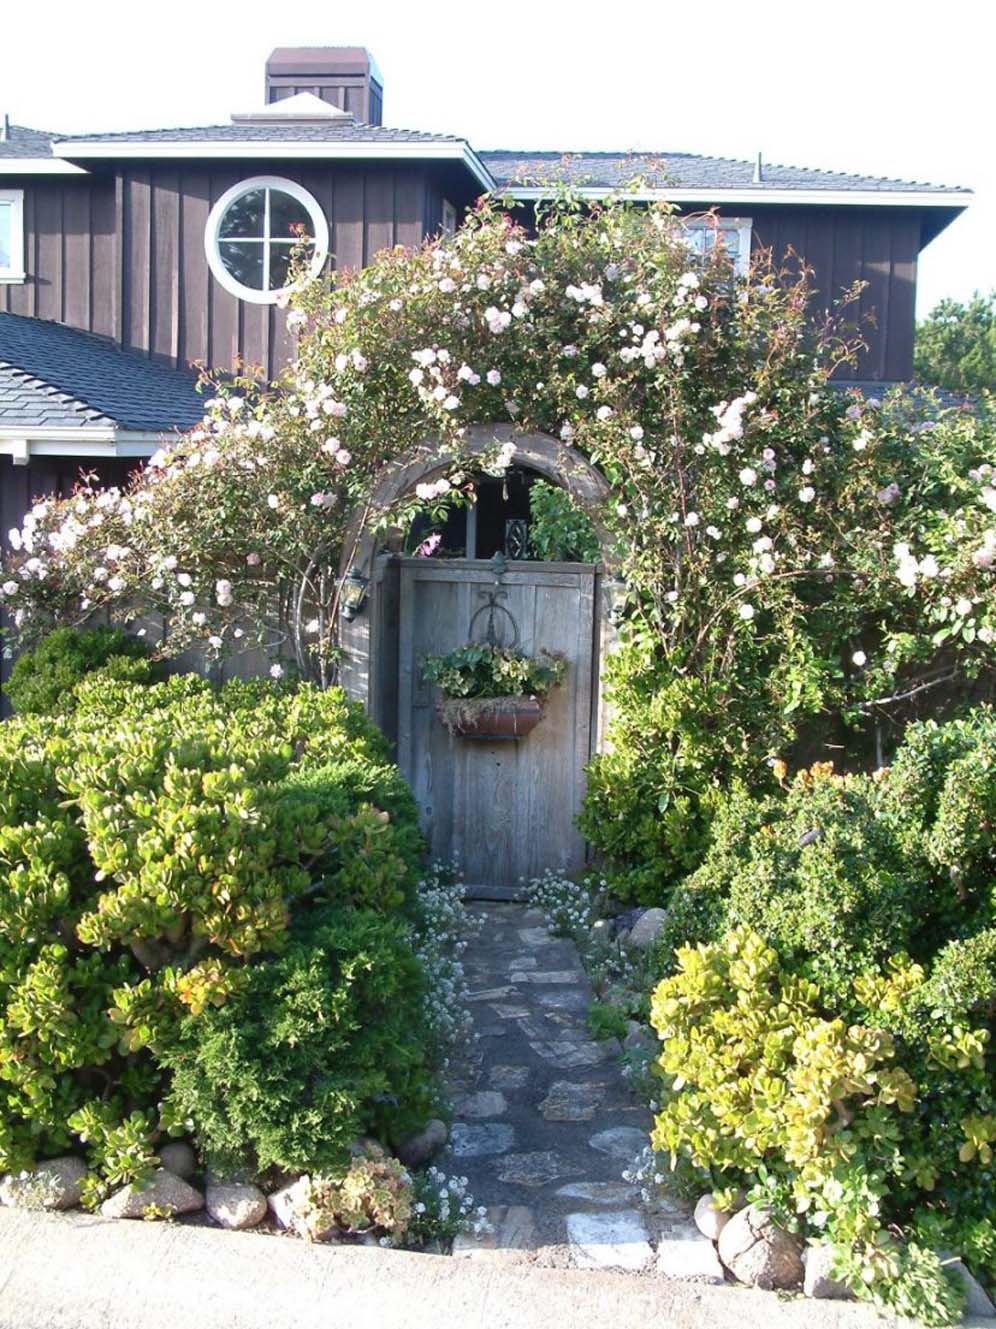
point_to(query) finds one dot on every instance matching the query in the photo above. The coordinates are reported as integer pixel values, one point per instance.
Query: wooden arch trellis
(365, 673)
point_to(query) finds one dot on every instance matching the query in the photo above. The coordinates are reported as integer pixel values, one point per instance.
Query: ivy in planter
(480, 682)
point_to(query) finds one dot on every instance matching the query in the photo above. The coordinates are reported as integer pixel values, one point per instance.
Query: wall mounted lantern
(354, 594)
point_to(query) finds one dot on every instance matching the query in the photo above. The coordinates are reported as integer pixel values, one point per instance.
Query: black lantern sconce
(354, 594)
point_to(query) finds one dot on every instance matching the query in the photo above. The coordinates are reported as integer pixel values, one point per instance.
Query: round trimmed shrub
(42, 681)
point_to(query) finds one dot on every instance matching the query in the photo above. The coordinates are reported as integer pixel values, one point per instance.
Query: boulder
(54, 1184)
(416, 1150)
(179, 1158)
(819, 1280)
(164, 1192)
(283, 1204)
(709, 1219)
(978, 1303)
(758, 1252)
(235, 1204)
(647, 929)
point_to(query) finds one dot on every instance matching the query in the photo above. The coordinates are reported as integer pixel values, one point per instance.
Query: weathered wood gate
(503, 811)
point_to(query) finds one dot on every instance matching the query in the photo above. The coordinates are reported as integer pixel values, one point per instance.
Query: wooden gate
(503, 811)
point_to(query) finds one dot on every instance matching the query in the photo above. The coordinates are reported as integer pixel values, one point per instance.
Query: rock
(510, 1232)
(599, 1192)
(534, 1169)
(620, 1142)
(647, 929)
(282, 1204)
(569, 1100)
(509, 1077)
(164, 1192)
(483, 1103)
(709, 1220)
(179, 1158)
(642, 1039)
(476, 1141)
(624, 921)
(54, 1184)
(819, 1281)
(977, 1300)
(684, 1254)
(609, 1240)
(758, 1252)
(235, 1204)
(416, 1150)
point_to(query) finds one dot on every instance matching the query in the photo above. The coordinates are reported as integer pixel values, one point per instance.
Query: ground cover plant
(211, 924)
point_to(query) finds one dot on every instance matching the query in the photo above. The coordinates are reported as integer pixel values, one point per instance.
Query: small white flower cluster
(648, 1173)
(443, 930)
(444, 1207)
(567, 906)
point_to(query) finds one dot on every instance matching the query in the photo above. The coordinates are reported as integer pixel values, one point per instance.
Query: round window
(252, 232)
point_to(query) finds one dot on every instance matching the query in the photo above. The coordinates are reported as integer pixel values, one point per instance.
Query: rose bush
(802, 567)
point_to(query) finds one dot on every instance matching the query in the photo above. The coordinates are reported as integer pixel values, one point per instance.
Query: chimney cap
(302, 108)
(285, 61)
(5, 128)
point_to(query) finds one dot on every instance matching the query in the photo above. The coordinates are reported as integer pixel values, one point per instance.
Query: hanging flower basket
(492, 718)
(492, 692)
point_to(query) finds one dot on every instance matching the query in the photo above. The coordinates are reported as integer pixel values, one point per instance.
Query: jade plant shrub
(317, 1047)
(42, 680)
(152, 851)
(841, 871)
(863, 1115)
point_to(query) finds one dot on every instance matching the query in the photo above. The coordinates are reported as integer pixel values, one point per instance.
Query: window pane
(287, 215)
(280, 261)
(243, 260)
(6, 233)
(244, 216)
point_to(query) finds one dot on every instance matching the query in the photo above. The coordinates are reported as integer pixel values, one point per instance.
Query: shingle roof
(24, 142)
(684, 170)
(332, 131)
(54, 375)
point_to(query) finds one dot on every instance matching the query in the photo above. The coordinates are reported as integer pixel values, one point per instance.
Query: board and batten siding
(878, 246)
(123, 254)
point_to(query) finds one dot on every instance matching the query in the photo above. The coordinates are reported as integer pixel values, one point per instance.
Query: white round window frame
(211, 249)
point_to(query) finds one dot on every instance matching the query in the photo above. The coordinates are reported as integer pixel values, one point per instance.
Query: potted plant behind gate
(492, 692)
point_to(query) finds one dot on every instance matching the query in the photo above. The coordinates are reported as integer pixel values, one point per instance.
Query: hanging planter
(492, 692)
(490, 717)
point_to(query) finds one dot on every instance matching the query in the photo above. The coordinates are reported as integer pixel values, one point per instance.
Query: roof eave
(956, 200)
(93, 441)
(213, 149)
(39, 166)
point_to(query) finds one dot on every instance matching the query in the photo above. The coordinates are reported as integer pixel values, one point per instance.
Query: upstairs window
(733, 233)
(11, 235)
(252, 232)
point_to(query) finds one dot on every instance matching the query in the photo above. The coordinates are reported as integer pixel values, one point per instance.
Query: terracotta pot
(495, 719)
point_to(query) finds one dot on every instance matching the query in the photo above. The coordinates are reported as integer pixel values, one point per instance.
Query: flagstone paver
(545, 1124)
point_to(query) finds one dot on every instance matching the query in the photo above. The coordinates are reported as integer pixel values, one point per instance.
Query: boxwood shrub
(162, 849)
(42, 680)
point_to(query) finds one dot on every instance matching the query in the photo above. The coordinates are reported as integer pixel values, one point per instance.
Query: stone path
(544, 1124)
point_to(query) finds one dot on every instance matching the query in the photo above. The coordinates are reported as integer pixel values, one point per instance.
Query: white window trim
(742, 225)
(14, 273)
(307, 201)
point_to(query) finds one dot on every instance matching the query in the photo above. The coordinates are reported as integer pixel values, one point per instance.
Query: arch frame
(368, 659)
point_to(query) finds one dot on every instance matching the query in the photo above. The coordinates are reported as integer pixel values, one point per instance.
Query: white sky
(884, 87)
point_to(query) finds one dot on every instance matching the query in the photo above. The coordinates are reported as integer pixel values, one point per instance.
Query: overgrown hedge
(829, 1008)
(175, 861)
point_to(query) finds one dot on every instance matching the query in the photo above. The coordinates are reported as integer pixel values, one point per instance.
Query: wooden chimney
(345, 76)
